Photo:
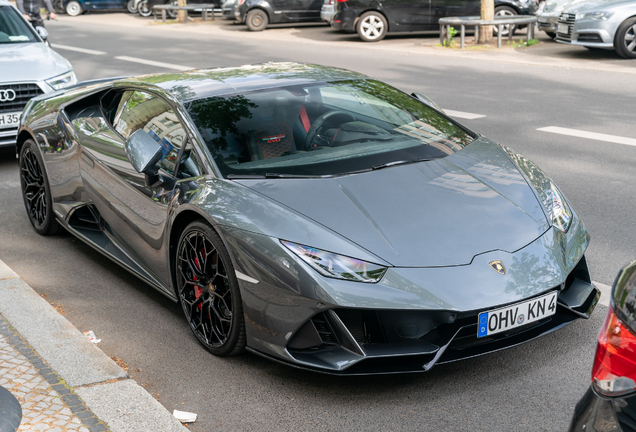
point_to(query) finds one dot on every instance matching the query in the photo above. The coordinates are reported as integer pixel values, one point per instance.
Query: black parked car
(373, 19)
(610, 403)
(257, 14)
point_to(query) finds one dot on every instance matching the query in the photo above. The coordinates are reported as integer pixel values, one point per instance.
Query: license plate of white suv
(563, 28)
(516, 315)
(9, 119)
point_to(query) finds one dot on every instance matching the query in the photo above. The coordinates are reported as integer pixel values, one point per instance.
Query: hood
(598, 5)
(436, 213)
(30, 62)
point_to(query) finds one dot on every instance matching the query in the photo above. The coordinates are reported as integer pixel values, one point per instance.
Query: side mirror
(42, 32)
(427, 101)
(143, 152)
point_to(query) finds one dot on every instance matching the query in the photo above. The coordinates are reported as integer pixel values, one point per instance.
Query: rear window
(13, 29)
(325, 129)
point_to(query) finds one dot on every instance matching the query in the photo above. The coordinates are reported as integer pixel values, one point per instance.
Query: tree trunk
(181, 15)
(487, 13)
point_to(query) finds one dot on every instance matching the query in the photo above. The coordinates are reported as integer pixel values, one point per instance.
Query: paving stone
(43, 406)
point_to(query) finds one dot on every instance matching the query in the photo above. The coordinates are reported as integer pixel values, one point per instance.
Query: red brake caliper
(197, 290)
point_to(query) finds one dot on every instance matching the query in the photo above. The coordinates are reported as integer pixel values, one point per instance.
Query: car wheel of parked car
(58, 6)
(208, 290)
(36, 191)
(257, 20)
(507, 12)
(625, 40)
(551, 35)
(143, 9)
(131, 6)
(74, 8)
(172, 13)
(372, 27)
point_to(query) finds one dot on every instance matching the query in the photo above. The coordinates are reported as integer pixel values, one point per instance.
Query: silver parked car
(606, 25)
(549, 12)
(28, 68)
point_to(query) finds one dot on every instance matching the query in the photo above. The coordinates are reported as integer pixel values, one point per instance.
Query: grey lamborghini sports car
(309, 214)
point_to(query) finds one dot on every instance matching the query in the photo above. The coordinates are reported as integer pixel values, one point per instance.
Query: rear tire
(507, 12)
(625, 40)
(372, 27)
(74, 8)
(131, 6)
(257, 20)
(36, 191)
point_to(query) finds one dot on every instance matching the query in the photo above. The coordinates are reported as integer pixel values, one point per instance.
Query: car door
(135, 211)
(297, 10)
(448, 8)
(408, 15)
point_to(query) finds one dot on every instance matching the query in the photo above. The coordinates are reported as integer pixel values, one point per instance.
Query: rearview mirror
(426, 101)
(42, 32)
(143, 152)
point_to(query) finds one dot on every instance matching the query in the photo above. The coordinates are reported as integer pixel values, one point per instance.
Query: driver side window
(147, 111)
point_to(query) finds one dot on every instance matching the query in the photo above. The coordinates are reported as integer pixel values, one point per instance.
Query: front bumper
(587, 32)
(411, 320)
(547, 23)
(594, 413)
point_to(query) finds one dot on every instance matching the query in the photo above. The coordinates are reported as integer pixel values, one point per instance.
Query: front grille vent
(566, 19)
(324, 329)
(590, 37)
(23, 93)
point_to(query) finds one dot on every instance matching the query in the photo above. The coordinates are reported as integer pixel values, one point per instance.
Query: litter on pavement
(184, 416)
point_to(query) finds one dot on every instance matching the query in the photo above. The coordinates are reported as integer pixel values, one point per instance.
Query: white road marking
(72, 48)
(463, 115)
(589, 135)
(154, 63)
(606, 291)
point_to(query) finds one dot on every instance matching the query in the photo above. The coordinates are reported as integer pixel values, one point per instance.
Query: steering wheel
(313, 130)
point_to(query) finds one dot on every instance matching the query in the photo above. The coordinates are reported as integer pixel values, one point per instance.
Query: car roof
(202, 83)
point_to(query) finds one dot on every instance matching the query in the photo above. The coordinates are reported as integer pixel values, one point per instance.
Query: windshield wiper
(271, 175)
(400, 162)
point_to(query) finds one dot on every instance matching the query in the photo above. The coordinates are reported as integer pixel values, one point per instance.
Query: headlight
(62, 81)
(560, 213)
(594, 15)
(337, 266)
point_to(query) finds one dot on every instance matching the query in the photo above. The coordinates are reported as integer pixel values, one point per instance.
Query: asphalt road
(531, 387)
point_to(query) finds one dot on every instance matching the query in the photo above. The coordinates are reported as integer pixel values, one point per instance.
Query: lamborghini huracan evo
(309, 214)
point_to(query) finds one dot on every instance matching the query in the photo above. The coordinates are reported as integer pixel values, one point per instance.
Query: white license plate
(517, 315)
(9, 119)
(563, 28)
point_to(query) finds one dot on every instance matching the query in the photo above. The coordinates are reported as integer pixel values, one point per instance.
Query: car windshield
(13, 29)
(322, 130)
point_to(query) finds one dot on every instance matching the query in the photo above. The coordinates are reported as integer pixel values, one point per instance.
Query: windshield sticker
(166, 146)
(20, 38)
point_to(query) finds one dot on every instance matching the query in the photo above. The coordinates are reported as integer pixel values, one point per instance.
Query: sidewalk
(62, 380)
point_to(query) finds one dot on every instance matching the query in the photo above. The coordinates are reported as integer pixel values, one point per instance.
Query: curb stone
(95, 388)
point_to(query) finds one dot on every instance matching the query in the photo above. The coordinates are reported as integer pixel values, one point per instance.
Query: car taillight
(614, 371)
(240, 2)
(341, 1)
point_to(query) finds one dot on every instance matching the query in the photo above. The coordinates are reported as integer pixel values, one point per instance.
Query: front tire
(507, 12)
(36, 191)
(551, 35)
(143, 9)
(208, 290)
(74, 8)
(372, 27)
(625, 40)
(257, 20)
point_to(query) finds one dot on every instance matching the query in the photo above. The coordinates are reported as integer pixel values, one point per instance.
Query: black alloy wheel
(208, 290)
(257, 20)
(36, 191)
(625, 39)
